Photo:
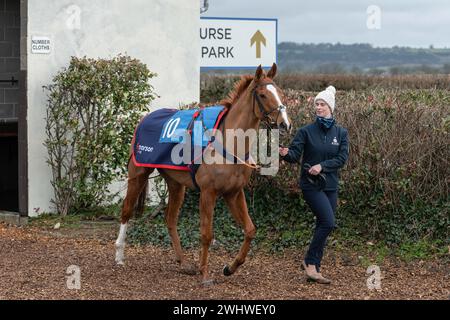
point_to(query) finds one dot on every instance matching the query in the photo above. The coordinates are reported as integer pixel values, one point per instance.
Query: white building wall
(161, 33)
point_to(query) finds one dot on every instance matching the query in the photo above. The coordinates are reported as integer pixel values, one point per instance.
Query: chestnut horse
(254, 99)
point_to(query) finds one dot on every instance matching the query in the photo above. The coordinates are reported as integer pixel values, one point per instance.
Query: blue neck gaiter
(326, 122)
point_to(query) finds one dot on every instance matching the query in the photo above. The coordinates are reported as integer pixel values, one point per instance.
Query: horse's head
(267, 103)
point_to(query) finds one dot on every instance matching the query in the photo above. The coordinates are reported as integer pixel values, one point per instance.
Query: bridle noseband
(266, 119)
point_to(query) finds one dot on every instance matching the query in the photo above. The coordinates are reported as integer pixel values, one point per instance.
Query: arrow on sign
(258, 38)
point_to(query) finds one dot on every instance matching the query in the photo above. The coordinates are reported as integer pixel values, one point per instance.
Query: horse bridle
(266, 119)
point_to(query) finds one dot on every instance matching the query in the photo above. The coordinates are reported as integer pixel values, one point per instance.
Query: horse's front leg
(176, 197)
(238, 207)
(207, 204)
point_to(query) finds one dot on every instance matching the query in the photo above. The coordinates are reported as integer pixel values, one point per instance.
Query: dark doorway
(10, 91)
(9, 187)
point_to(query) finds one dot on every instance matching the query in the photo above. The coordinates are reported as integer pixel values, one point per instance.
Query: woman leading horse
(255, 99)
(323, 148)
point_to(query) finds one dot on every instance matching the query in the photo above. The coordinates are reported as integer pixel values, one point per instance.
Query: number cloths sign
(41, 45)
(227, 43)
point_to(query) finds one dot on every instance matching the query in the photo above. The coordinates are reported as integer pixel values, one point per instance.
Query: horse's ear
(259, 73)
(273, 71)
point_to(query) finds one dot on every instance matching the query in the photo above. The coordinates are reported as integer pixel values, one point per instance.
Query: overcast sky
(415, 23)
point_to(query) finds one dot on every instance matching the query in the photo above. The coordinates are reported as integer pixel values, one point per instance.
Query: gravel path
(33, 264)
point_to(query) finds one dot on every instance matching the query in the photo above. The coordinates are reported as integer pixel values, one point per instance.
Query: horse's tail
(140, 205)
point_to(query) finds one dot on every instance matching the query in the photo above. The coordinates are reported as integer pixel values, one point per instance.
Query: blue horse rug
(160, 131)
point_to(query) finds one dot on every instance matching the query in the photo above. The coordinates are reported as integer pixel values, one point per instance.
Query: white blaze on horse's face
(281, 107)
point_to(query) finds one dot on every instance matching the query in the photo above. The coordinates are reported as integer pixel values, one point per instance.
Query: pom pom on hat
(328, 95)
(331, 89)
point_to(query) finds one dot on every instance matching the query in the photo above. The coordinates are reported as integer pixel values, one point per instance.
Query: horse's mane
(239, 88)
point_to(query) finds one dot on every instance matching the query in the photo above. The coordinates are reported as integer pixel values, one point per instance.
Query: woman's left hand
(315, 170)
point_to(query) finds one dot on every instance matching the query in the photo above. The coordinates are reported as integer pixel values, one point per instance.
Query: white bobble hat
(328, 96)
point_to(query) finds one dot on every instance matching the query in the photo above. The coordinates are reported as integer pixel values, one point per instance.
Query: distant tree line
(326, 58)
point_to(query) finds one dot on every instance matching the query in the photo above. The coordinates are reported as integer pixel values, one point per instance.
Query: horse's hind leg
(207, 204)
(137, 180)
(238, 207)
(176, 198)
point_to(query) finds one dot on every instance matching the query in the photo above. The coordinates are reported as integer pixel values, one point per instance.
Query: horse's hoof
(120, 263)
(226, 271)
(208, 283)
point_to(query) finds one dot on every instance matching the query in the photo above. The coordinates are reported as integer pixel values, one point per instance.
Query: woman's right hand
(284, 151)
